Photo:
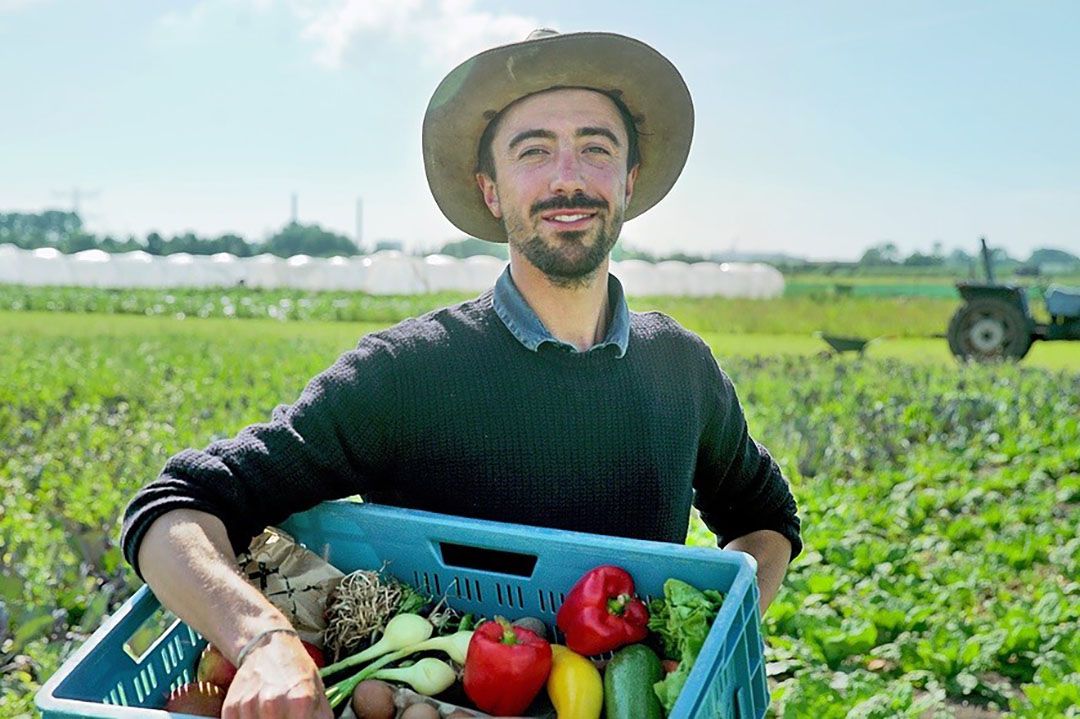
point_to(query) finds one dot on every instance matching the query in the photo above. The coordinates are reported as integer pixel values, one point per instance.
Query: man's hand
(277, 681)
(187, 561)
(772, 551)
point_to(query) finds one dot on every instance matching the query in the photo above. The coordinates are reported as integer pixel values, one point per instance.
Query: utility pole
(294, 208)
(359, 223)
(76, 197)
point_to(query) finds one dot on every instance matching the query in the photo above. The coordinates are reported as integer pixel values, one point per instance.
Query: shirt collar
(523, 323)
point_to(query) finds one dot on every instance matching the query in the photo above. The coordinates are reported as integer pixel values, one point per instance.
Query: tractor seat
(1063, 301)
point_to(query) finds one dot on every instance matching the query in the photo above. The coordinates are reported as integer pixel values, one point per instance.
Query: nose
(568, 179)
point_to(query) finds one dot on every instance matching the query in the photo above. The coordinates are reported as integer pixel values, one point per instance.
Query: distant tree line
(64, 231)
(887, 256)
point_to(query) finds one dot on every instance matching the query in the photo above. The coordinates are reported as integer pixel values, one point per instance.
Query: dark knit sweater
(450, 413)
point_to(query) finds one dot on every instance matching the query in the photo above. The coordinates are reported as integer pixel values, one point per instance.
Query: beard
(572, 258)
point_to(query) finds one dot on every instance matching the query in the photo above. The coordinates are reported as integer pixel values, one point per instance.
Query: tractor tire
(989, 329)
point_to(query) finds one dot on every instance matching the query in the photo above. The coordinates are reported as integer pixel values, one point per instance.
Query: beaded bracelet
(258, 638)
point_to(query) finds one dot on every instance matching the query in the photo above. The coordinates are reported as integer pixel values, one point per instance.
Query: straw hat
(477, 89)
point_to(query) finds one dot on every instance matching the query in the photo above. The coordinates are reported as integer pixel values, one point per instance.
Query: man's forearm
(773, 552)
(187, 561)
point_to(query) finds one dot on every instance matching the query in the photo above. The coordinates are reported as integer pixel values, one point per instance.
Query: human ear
(630, 178)
(490, 194)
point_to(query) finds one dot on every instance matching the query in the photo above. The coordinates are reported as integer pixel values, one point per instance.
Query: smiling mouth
(568, 220)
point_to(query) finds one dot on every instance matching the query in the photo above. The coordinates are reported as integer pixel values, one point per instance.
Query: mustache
(579, 201)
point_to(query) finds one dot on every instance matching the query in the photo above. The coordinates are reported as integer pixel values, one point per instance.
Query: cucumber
(628, 684)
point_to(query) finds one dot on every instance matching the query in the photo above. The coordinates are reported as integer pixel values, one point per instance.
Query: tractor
(995, 323)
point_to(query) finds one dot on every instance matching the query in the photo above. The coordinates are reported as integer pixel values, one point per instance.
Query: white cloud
(13, 5)
(447, 30)
(333, 26)
(177, 25)
(443, 31)
(193, 24)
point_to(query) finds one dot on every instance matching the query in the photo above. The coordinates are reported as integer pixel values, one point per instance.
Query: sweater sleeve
(738, 487)
(334, 441)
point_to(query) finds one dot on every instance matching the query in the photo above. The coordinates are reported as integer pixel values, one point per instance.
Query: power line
(359, 222)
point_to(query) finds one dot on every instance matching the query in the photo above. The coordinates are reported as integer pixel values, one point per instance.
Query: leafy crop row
(861, 316)
(940, 504)
(941, 508)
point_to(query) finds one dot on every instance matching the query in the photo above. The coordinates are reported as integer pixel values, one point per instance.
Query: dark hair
(485, 160)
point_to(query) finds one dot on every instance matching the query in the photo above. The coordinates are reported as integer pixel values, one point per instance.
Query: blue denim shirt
(523, 323)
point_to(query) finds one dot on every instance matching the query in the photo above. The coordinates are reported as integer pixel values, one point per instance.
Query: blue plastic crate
(440, 553)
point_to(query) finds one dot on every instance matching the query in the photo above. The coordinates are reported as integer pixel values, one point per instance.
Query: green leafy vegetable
(412, 601)
(682, 620)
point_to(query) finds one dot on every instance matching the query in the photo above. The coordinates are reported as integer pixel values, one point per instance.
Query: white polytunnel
(181, 270)
(93, 268)
(342, 274)
(638, 277)
(305, 273)
(48, 266)
(225, 269)
(389, 272)
(767, 281)
(265, 271)
(483, 271)
(672, 277)
(138, 269)
(705, 279)
(10, 263)
(443, 273)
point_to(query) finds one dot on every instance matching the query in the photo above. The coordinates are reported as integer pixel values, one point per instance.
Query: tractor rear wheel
(989, 329)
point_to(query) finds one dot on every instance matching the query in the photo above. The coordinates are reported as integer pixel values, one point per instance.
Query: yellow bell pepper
(574, 685)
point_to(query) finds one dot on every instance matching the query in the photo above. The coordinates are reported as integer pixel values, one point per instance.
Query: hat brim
(467, 98)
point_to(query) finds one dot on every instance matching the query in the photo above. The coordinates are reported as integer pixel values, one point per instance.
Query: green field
(940, 502)
(804, 314)
(874, 306)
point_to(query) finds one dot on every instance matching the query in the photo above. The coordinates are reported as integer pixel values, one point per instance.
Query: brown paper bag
(295, 580)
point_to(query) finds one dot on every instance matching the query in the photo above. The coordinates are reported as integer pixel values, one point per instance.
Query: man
(544, 401)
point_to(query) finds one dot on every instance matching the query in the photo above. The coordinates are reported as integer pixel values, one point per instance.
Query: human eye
(531, 152)
(597, 150)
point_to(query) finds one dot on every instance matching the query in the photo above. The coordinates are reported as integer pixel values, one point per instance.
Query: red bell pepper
(601, 612)
(505, 667)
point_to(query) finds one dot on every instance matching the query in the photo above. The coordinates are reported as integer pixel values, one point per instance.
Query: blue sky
(822, 128)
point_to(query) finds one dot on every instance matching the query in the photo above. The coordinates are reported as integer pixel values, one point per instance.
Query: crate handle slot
(150, 631)
(463, 556)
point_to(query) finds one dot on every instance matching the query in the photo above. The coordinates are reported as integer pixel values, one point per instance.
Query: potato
(420, 711)
(534, 625)
(373, 699)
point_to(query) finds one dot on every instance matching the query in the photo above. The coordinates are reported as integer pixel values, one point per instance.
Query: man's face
(561, 184)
